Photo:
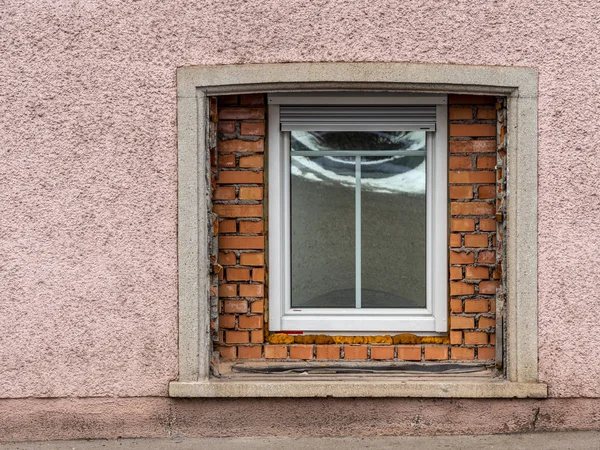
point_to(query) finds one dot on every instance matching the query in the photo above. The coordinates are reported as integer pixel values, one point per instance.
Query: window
(358, 213)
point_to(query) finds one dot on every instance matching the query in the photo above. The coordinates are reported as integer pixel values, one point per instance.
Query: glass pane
(360, 140)
(393, 231)
(323, 232)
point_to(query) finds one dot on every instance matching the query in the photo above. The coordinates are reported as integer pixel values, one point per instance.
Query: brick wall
(238, 182)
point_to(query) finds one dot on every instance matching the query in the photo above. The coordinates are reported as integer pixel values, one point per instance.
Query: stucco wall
(88, 172)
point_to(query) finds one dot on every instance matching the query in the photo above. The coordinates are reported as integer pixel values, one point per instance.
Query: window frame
(520, 87)
(430, 320)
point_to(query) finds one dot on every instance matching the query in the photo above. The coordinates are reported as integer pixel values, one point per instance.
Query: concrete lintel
(367, 387)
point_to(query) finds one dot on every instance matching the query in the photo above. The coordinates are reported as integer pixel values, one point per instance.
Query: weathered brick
(241, 113)
(300, 351)
(462, 257)
(485, 192)
(486, 322)
(471, 177)
(460, 113)
(237, 337)
(466, 99)
(471, 208)
(455, 240)
(227, 161)
(476, 337)
(242, 242)
(252, 162)
(252, 259)
(462, 224)
(381, 352)
(238, 211)
(227, 259)
(226, 127)
(227, 321)
(461, 353)
(486, 114)
(456, 273)
(456, 192)
(252, 99)
(488, 287)
(487, 225)
(252, 129)
(473, 146)
(227, 352)
(251, 193)
(435, 353)
(252, 290)
(460, 288)
(328, 352)
(247, 227)
(461, 322)
(486, 162)
(228, 100)
(250, 352)
(460, 162)
(250, 322)
(240, 146)
(239, 177)
(276, 351)
(224, 193)
(235, 306)
(476, 240)
(409, 353)
(257, 336)
(485, 353)
(472, 130)
(228, 290)
(456, 305)
(477, 273)
(355, 352)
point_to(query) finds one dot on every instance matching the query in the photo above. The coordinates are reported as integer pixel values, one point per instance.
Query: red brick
(235, 306)
(247, 227)
(434, 353)
(250, 322)
(227, 259)
(227, 161)
(409, 353)
(460, 162)
(486, 257)
(461, 113)
(486, 162)
(456, 305)
(227, 321)
(253, 162)
(487, 225)
(252, 290)
(488, 287)
(355, 352)
(461, 353)
(276, 351)
(238, 211)
(460, 192)
(485, 353)
(226, 127)
(227, 352)
(382, 352)
(239, 177)
(242, 242)
(486, 322)
(257, 336)
(258, 275)
(473, 146)
(238, 274)
(460, 288)
(328, 352)
(462, 224)
(486, 191)
(251, 193)
(472, 130)
(477, 273)
(471, 208)
(237, 337)
(455, 240)
(227, 226)
(486, 114)
(257, 306)
(239, 113)
(462, 257)
(471, 177)
(224, 193)
(228, 290)
(461, 323)
(475, 337)
(466, 99)
(475, 306)
(476, 240)
(252, 129)
(456, 337)
(456, 273)
(301, 352)
(252, 259)
(239, 146)
(252, 352)
(252, 99)
(228, 100)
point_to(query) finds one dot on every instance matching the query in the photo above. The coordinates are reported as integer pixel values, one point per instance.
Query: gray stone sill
(464, 387)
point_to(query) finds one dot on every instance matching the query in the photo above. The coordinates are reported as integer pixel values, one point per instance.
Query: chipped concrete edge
(517, 83)
(368, 388)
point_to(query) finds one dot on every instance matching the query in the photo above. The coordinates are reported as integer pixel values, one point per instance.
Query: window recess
(358, 213)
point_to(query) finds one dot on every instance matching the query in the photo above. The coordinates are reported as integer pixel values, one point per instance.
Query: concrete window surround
(518, 85)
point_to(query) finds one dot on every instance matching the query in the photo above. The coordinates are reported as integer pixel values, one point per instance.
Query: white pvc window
(357, 213)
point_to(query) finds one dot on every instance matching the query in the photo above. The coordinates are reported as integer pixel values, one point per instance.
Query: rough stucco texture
(88, 165)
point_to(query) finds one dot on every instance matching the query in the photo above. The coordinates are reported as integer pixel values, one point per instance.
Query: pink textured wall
(88, 165)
